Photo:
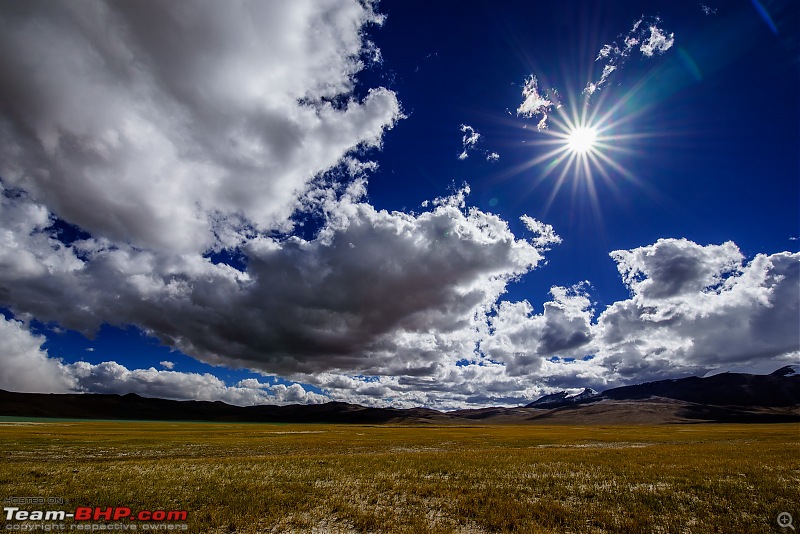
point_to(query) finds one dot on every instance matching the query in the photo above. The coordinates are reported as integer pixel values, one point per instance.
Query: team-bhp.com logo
(95, 518)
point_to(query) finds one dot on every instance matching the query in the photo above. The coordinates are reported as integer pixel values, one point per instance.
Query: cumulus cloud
(523, 340)
(387, 307)
(646, 36)
(699, 307)
(374, 292)
(158, 133)
(111, 377)
(25, 366)
(167, 365)
(180, 123)
(692, 309)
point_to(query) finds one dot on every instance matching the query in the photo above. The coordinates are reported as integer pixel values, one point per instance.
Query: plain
(249, 478)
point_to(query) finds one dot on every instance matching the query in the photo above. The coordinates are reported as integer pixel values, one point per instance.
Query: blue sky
(348, 201)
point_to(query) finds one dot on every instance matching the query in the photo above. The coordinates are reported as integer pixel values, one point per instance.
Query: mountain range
(725, 397)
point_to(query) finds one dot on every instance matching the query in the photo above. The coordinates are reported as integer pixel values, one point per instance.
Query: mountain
(562, 398)
(726, 397)
(789, 370)
(780, 388)
(724, 389)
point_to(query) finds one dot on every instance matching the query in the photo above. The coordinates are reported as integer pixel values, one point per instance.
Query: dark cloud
(374, 292)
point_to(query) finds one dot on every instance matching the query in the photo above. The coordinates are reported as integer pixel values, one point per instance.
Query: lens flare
(580, 145)
(581, 140)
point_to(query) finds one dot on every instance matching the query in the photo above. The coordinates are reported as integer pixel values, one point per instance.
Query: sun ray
(583, 143)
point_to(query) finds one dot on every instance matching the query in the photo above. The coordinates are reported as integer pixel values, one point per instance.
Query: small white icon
(785, 520)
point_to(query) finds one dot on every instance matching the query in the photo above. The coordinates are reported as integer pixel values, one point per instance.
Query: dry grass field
(248, 478)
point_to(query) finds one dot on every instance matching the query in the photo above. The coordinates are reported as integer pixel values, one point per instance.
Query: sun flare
(581, 145)
(582, 139)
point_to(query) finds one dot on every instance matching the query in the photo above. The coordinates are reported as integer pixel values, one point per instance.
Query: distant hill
(778, 389)
(726, 397)
(135, 407)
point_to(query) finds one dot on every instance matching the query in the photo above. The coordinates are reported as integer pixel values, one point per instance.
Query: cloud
(699, 307)
(523, 341)
(674, 267)
(536, 104)
(167, 365)
(658, 41)
(708, 10)
(407, 302)
(156, 134)
(25, 366)
(468, 141)
(179, 124)
(646, 36)
(545, 234)
(111, 377)
(692, 309)
(374, 292)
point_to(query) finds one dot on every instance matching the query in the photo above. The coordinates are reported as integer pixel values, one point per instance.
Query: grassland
(324, 478)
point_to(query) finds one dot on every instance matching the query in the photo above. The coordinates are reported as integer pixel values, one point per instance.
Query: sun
(579, 145)
(582, 139)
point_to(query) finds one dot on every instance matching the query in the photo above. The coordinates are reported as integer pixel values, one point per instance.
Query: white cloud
(692, 309)
(167, 365)
(406, 300)
(708, 10)
(111, 377)
(536, 104)
(546, 235)
(658, 41)
(468, 141)
(177, 122)
(674, 267)
(695, 308)
(25, 366)
(645, 34)
(523, 341)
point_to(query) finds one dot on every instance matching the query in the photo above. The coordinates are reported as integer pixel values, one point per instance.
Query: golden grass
(249, 478)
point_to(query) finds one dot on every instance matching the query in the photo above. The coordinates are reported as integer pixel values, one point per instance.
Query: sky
(404, 203)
